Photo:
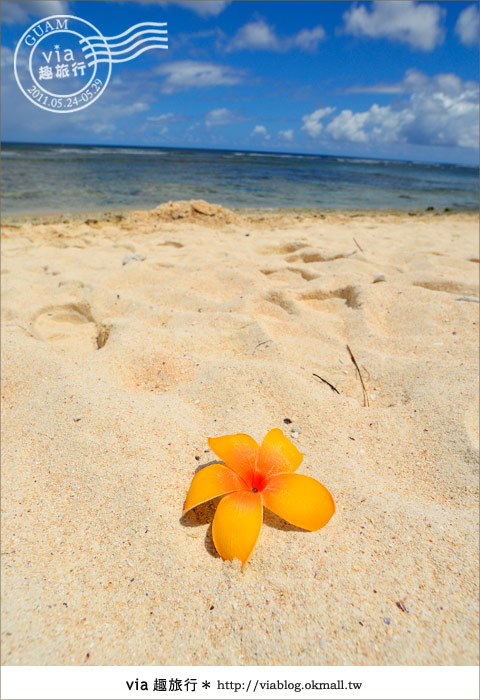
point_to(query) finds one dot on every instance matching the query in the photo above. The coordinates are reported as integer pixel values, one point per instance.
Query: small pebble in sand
(378, 277)
(295, 432)
(130, 258)
(387, 620)
(77, 418)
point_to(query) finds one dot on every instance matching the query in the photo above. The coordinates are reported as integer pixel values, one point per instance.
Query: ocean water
(61, 178)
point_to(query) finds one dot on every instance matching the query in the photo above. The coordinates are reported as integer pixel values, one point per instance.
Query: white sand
(115, 374)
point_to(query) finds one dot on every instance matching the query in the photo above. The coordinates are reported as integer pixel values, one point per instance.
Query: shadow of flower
(206, 464)
(209, 544)
(278, 523)
(201, 515)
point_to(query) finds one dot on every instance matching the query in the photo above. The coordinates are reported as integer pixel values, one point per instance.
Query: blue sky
(395, 79)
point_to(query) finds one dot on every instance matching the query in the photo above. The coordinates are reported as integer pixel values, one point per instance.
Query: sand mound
(197, 210)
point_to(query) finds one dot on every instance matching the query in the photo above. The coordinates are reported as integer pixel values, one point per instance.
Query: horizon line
(236, 150)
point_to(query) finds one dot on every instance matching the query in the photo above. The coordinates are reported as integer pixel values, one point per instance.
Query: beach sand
(130, 338)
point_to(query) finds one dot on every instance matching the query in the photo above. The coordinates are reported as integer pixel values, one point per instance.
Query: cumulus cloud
(255, 35)
(308, 39)
(417, 24)
(440, 111)
(260, 130)
(377, 124)
(260, 36)
(287, 134)
(312, 123)
(182, 75)
(445, 112)
(467, 26)
(21, 12)
(220, 117)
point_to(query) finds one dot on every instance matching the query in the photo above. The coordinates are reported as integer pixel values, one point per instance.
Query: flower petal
(211, 481)
(299, 499)
(239, 452)
(237, 524)
(277, 454)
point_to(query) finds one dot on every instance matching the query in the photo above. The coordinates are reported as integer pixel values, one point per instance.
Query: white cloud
(383, 124)
(308, 39)
(312, 122)
(22, 120)
(287, 134)
(182, 75)
(21, 12)
(161, 118)
(467, 26)
(220, 117)
(158, 123)
(204, 8)
(7, 57)
(440, 111)
(260, 36)
(260, 131)
(255, 35)
(134, 108)
(417, 24)
(446, 113)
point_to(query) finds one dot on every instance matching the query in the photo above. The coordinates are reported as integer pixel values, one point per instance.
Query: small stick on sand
(358, 245)
(325, 382)
(365, 395)
(262, 343)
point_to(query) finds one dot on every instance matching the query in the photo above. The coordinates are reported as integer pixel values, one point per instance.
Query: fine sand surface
(129, 339)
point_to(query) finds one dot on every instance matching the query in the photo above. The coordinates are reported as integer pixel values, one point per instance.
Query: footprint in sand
(281, 299)
(309, 255)
(449, 286)
(305, 274)
(70, 327)
(289, 247)
(350, 295)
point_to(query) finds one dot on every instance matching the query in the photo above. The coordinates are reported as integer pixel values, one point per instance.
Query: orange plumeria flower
(254, 476)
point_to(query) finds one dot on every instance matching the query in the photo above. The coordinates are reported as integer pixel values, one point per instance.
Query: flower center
(258, 482)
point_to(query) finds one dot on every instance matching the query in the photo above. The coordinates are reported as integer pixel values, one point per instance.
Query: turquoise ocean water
(60, 178)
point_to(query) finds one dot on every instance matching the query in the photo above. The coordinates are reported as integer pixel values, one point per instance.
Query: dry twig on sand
(358, 246)
(333, 388)
(365, 395)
